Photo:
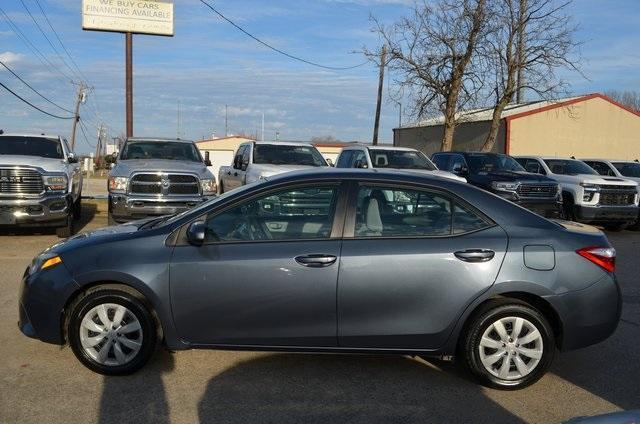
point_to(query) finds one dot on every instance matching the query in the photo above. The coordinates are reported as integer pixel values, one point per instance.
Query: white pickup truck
(587, 196)
(255, 160)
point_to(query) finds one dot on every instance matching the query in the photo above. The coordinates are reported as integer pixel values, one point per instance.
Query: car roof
(30, 135)
(611, 160)
(379, 147)
(157, 139)
(279, 143)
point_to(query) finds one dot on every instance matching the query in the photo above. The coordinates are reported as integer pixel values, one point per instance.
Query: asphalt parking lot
(44, 383)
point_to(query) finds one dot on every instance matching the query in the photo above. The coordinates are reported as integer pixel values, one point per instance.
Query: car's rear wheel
(112, 332)
(509, 346)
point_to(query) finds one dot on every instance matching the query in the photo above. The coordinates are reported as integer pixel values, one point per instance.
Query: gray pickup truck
(154, 177)
(40, 183)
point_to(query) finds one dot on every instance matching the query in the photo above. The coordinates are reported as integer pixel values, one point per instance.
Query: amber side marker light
(51, 262)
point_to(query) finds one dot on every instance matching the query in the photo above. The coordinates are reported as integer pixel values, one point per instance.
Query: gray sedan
(332, 261)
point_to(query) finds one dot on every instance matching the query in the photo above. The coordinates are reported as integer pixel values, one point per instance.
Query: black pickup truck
(503, 175)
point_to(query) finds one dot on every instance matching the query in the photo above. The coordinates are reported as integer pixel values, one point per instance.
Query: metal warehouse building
(584, 126)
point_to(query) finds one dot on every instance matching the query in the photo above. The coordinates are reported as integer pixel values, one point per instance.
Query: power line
(60, 41)
(264, 43)
(84, 135)
(33, 89)
(47, 38)
(41, 57)
(32, 105)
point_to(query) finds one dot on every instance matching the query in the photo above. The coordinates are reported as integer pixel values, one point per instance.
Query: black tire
(68, 230)
(614, 228)
(221, 187)
(77, 209)
(568, 209)
(135, 305)
(481, 321)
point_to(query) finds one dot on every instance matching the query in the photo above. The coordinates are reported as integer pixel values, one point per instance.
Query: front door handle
(475, 255)
(316, 261)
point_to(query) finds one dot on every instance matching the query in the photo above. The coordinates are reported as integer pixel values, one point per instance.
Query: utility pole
(376, 125)
(129, 82)
(226, 120)
(80, 98)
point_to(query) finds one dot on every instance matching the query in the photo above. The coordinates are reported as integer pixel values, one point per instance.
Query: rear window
(31, 146)
(271, 154)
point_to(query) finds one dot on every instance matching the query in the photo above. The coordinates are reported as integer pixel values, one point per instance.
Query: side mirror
(207, 162)
(115, 157)
(330, 162)
(196, 233)
(72, 158)
(360, 164)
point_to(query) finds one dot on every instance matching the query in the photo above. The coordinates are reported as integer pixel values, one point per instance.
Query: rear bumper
(124, 208)
(46, 210)
(606, 214)
(589, 316)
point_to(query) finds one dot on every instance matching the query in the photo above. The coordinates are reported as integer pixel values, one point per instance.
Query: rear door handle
(316, 261)
(475, 255)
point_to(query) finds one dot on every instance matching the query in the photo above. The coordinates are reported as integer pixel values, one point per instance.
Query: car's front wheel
(111, 331)
(509, 345)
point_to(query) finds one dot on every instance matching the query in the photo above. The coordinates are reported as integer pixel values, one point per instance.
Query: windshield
(569, 167)
(400, 159)
(161, 150)
(492, 163)
(31, 146)
(628, 169)
(271, 154)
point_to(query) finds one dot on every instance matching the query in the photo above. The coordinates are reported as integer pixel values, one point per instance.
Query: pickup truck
(40, 183)
(256, 160)
(502, 175)
(390, 157)
(155, 177)
(587, 196)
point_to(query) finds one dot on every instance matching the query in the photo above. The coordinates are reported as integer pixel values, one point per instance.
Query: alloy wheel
(511, 348)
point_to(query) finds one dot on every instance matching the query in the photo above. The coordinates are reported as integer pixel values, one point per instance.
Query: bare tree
(431, 52)
(527, 37)
(630, 99)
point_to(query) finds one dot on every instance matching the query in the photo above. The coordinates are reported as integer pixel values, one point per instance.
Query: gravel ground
(44, 383)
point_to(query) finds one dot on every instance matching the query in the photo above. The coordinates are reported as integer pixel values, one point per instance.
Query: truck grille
(16, 181)
(617, 199)
(537, 190)
(164, 184)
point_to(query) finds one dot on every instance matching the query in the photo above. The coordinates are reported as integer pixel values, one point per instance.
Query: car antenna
(573, 157)
(636, 159)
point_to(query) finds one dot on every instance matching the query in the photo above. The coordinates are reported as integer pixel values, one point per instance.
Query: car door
(267, 272)
(412, 260)
(232, 178)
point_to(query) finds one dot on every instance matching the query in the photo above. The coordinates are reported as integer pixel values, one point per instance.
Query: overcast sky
(209, 64)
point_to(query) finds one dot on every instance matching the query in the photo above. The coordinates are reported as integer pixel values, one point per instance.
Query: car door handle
(316, 261)
(475, 255)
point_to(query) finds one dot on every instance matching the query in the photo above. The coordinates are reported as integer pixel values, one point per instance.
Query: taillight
(604, 257)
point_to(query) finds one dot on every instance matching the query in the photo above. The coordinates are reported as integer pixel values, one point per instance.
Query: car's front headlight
(56, 182)
(209, 187)
(504, 186)
(118, 184)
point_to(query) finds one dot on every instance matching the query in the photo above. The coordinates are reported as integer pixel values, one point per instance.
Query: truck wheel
(67, 230)
(568, 209)
(221, 187)
(77, 209)
(615, 227)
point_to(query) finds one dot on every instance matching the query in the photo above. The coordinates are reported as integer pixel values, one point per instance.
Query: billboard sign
(153, 17)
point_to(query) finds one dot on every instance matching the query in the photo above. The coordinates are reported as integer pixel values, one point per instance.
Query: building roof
(515, 110)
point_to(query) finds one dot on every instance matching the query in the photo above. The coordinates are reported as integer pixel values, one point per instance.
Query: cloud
(10, 57)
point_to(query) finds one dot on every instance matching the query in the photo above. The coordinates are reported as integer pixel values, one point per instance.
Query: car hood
(267, 170)
(516, 176)
(125, 168)
(596, 179)
(438, 173)
(48, 164)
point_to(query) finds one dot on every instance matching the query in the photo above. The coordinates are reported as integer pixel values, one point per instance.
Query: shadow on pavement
(328, 388)
(138, 398)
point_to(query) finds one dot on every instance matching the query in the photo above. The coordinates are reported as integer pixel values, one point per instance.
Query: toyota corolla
(344, 261)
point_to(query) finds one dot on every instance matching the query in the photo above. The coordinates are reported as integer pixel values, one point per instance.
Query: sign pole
(129, 82)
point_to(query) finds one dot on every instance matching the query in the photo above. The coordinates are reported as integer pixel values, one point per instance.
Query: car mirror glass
(196, 233)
